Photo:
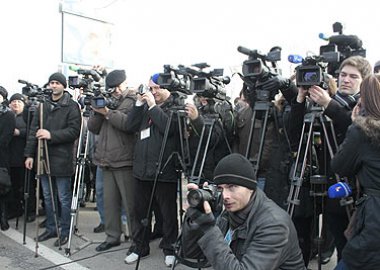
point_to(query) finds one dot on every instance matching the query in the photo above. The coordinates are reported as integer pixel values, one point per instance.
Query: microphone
(295, 58)
(339, 190)
(323, 37)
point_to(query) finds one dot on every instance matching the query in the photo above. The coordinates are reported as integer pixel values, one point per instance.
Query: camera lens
(310, 76)
(195, 198)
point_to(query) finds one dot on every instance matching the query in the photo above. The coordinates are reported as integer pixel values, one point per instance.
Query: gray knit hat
(235, 169)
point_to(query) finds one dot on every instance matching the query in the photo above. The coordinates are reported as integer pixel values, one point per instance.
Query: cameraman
(149, 118)
(338, 108)
(113, 154)
(60, 128)
(251, 233)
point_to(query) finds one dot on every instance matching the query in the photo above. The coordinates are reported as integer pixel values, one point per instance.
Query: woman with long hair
(359, 155)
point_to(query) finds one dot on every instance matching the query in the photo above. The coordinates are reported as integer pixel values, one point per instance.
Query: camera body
(209, 193)
(33, 90)
(142, 89)
(256, 71)
(312, 72)
(339, 48)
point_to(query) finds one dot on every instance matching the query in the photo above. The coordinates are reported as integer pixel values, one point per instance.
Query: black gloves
(274, 84)
(198, 220)
(196, 223)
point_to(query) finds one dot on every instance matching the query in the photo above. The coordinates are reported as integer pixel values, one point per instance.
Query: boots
(3, 216)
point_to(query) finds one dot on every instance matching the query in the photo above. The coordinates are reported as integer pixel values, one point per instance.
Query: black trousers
(166, 198)
(16, 201)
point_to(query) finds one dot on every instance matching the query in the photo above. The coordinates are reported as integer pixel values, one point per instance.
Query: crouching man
(251, 233)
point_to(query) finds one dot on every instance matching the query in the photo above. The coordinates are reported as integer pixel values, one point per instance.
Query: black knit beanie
(235, 169)
(17, 96)
(115, 78)
(59, 77)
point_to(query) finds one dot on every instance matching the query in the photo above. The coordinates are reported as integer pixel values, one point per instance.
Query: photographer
(113, 154)
(251, 233)
(359, 155)
(60, 128)
(7, 126)
(149, 118)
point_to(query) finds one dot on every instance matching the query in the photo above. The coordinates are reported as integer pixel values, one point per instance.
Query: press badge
(145, 133)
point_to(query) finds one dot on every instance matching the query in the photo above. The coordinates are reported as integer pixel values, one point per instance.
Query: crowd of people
(137, 148)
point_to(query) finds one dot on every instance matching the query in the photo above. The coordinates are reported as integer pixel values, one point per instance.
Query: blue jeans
(63, 187)
(99, 193)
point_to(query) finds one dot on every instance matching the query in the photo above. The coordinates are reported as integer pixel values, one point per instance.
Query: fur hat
(115, 78)
(235, 169)
(59, 77)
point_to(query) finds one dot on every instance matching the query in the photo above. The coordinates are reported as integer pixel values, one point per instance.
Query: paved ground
(16, 255)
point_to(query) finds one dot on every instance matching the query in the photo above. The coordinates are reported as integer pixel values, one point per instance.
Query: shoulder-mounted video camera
(339, 48)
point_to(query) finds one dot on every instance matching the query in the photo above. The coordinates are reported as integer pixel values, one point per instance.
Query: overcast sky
(149, 34)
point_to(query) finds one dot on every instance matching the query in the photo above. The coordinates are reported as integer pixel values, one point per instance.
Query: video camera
(312, 72)
(93, 91)
(256, 72)
(86, 80)
(208, 84)
(339, 48)
(33, 90)
(175, 79)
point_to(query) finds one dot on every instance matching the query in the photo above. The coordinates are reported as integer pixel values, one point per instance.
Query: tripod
(43, 168)
(32, 109)
(182, 157)
(81, 160)
(306, 152)
(204, 143)
(264, 108)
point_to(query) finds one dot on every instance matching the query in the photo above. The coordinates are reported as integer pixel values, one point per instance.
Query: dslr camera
(209, 193)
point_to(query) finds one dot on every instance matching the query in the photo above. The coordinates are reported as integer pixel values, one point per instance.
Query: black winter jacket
(359, 155)
(18, 143)
(147, 150)
(7, 126)
(63, 120)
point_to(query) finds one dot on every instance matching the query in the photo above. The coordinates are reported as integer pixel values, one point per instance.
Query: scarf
(238, 218)
(348, 101)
